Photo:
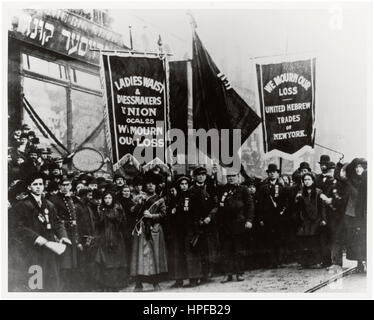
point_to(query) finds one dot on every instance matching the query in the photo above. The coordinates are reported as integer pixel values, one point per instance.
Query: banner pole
(167, 154)
(189, 110)
(130, 33)
(190, 124)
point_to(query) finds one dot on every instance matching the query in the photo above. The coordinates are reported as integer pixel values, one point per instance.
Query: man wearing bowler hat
(272, 204)
(322, 177)
(235, 216)
(304, 167)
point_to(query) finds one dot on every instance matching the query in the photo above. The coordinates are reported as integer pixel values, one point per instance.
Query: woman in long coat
(110, 257)
(148, 258)
(184, 255)
(125, 200)
(312, 217)
(355, 218)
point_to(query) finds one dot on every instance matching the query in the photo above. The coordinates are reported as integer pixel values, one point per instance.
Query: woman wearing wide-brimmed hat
(355, 218)
(148, 257)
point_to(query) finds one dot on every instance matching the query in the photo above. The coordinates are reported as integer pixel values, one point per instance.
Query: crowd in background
(154, 227)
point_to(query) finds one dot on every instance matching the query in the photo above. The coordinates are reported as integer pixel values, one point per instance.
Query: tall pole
(167, 152)
(130, 34)
(190, 90)
(189, 108)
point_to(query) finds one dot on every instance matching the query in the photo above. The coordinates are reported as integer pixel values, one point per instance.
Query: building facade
(53, 64)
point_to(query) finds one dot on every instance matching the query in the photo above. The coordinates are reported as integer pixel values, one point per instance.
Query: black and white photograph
(187, 149)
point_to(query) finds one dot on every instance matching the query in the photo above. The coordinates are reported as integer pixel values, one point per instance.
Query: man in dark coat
(323, 182)
(86, 223)
(204, 205)
(235, 216)
(119, 180)
(322, 177)
(66, 207)
(334, 199)
(33, 225)
(272, 204)
(33, 164)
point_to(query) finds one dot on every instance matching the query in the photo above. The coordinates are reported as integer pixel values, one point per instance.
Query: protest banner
(136, 104)
(287, 101)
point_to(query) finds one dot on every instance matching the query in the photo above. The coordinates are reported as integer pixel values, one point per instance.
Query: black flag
(178, 95)
(216, 104)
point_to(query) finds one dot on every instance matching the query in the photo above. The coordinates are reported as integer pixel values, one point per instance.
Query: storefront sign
(135, 107)
(65, 33)
(287, 100)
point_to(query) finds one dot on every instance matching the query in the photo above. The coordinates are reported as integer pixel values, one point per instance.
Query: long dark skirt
(185, 261)
(355, 241)
(110, 265)
(114, 278)
(309, 250)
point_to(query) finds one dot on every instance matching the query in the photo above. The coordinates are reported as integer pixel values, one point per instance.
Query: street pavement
(353, 283)
(288, 279)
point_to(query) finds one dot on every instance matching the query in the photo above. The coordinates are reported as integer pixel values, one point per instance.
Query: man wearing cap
(66, 206)
(272, 204)
(235, 216)
(44, 157)
(119, 181)
(25, 128)
(60, 162)
(204, 205)
(33, 223)
(33, 164)
(332, 236)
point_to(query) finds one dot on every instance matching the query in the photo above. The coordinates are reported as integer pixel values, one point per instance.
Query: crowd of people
(126, 232)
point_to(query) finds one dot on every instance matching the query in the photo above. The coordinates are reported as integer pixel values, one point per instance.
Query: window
(87, 112)
(49, 102)
(47, 86)
(43, 67)
(85, 79)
